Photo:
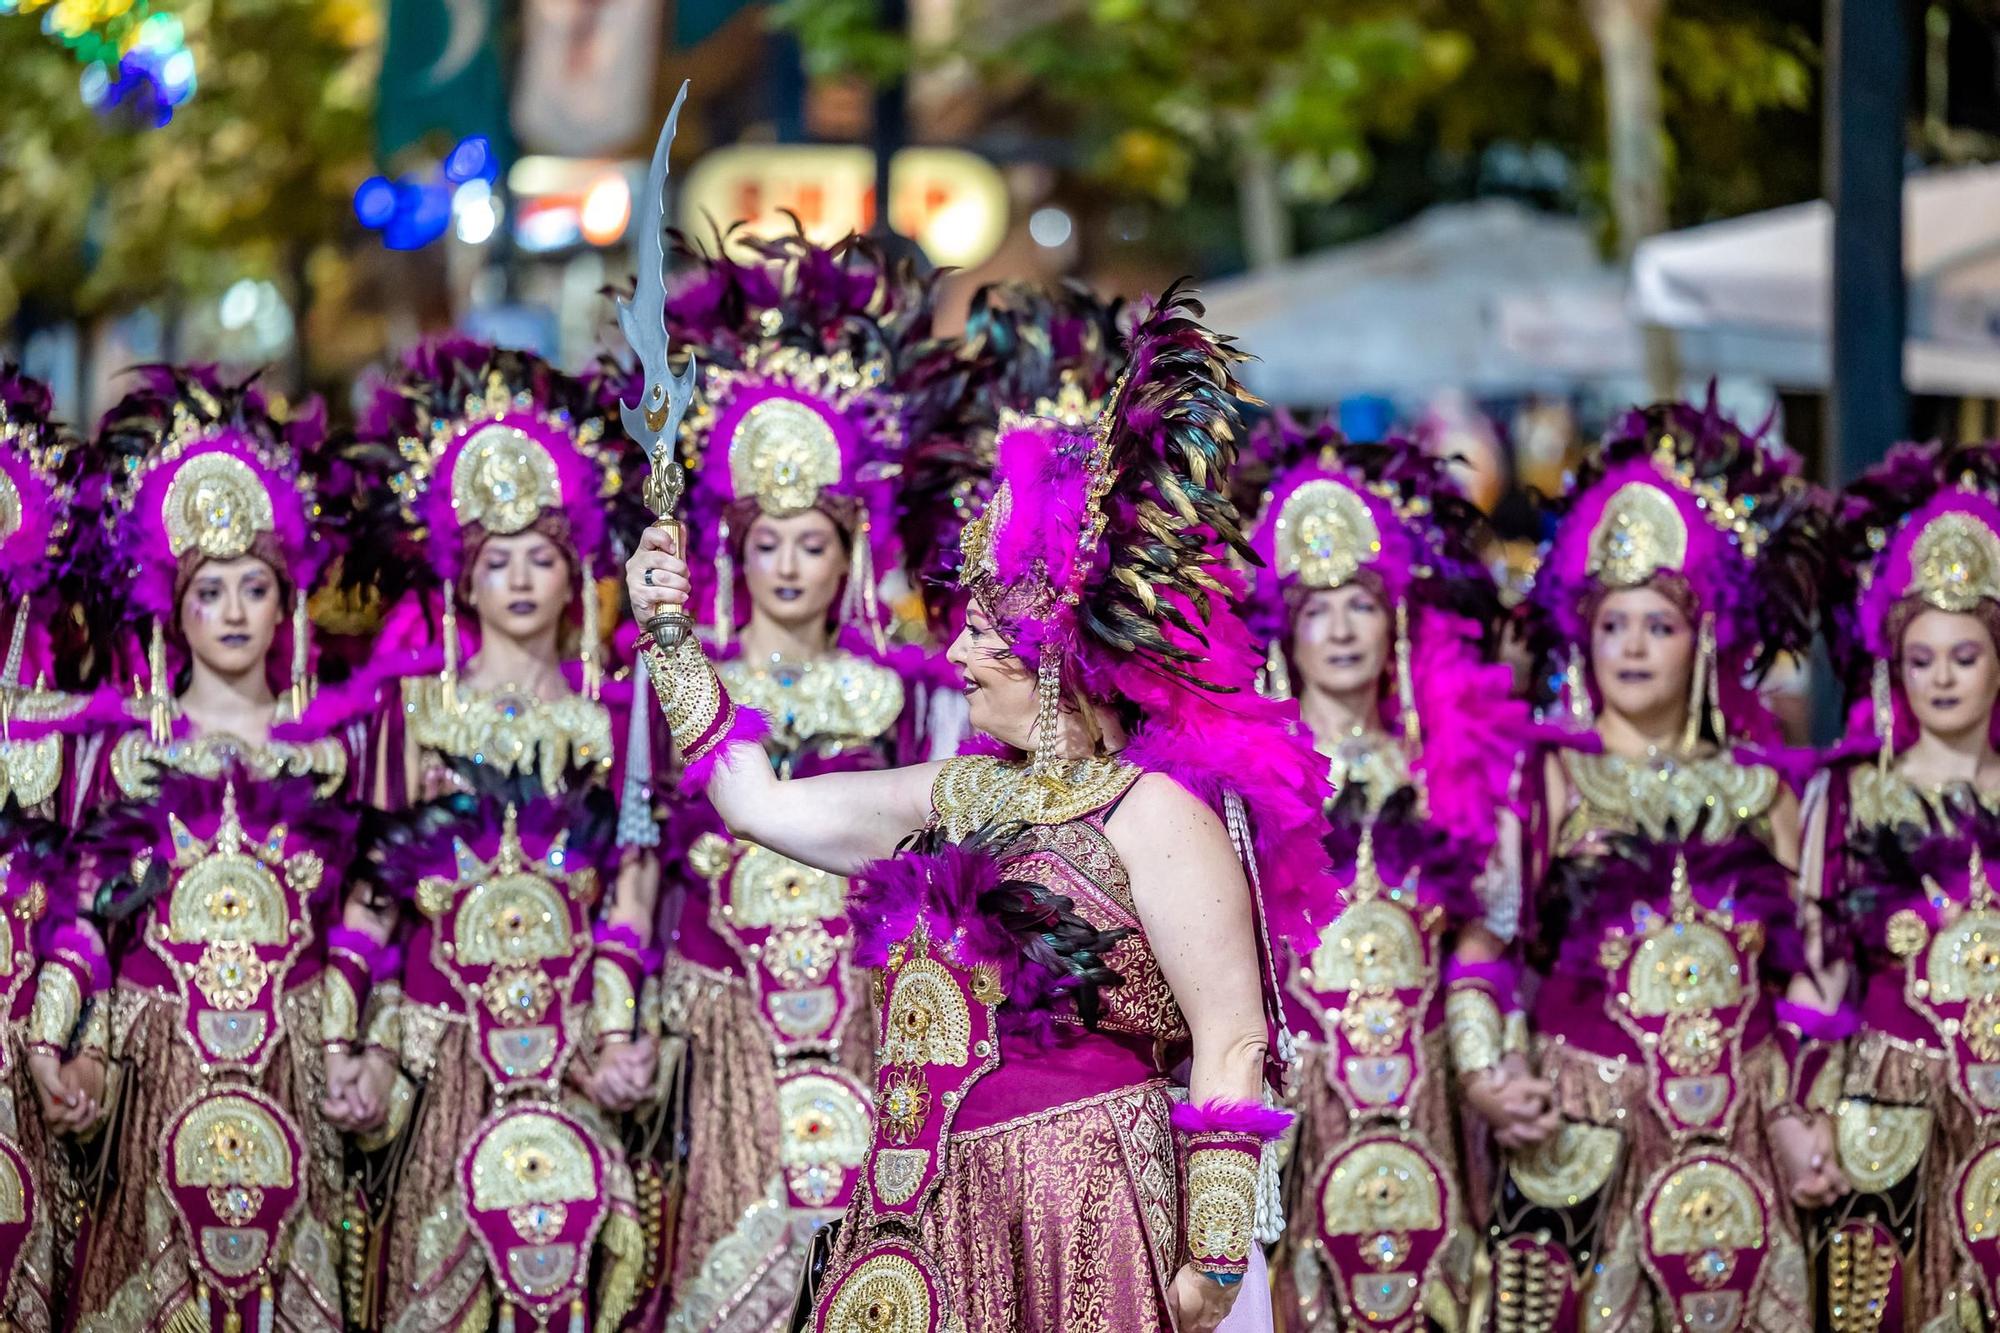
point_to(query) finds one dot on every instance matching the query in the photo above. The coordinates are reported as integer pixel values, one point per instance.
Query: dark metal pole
(892, 119)
(1867, 105)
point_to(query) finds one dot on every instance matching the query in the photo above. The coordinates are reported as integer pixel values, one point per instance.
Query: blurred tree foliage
(1169, 96)
(251, 178)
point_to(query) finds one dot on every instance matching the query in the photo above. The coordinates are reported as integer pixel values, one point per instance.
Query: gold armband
(699, 713)
(1477, 1034)
(58, 1005)
(385, 1020)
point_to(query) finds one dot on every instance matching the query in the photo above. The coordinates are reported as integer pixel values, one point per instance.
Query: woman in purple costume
(1073, 929)
(817, 366)
(1663, 961)
(1373, 600)
(216, 831)
(1901, 829)
(524, 1024)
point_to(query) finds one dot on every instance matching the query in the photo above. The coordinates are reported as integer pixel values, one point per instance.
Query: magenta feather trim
(620, 935)
(1048, 505)
(1219, 1115)
(940, 890)
(1474, 729)
(748, 727)
(82, 948)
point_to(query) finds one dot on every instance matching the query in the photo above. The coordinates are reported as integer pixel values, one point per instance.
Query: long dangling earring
(1048, 715)
(159, 715)
(1884, 701)
(451, 643)
(1576, 691)
(1406, 703)
(301, 654)
(593, 672)
(1277, 675)
(725, 587)
(859, 605)
(1704, 657)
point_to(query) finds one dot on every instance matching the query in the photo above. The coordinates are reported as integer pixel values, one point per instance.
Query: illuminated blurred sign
(951, 202)
(561, 202)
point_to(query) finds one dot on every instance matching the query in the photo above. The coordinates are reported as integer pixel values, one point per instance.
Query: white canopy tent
(1754, 295)
(1491, 298)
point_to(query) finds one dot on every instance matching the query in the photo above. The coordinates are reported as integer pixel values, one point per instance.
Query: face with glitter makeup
(229, 614)
(793, 568)
(520, 585)
(1950, 672)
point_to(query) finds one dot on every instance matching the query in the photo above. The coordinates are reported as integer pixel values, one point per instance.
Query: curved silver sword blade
(655, 421)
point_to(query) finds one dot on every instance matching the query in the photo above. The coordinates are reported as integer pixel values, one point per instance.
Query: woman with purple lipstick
(817, 368)
(522, 1028)
(1900, 832)
(1664, 966)
(216, 829)
(1373, 601)
(1074, 922)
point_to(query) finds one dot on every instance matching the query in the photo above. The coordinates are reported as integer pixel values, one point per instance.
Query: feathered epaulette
(1405, 848)
(1043, 952)
(134, 843)
(1888, 864)
(1593, 895)
(398, 849)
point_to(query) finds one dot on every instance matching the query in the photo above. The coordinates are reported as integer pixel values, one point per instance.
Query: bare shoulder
(1174, 846)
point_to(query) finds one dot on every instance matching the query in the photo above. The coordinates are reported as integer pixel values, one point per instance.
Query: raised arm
(836, 821)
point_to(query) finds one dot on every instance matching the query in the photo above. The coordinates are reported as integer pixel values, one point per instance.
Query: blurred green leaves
(249, 178)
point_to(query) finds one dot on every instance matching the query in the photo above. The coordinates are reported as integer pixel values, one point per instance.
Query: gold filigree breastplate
(509, 730)
(977, 791)
(136, 761)
(30, 770)
(835, 702)
(1706, 798)
(1878, 799)
(1375, 763)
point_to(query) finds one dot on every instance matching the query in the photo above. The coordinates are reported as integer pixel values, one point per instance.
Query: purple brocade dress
(1917, 1107)
(1659, 934)
(1372, 1089)
(493, 1091)
(777, 1020)
(1023, 1177)
(226, 1194)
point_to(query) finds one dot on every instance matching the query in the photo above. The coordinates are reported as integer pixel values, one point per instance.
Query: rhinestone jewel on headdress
(215, 505)
(519, 476)
(503, 479)
(1325, 534)
(1955, 563)
(1641, 533)
(785, 453)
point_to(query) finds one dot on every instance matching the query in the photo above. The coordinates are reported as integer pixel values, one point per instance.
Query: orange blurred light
(607, 208)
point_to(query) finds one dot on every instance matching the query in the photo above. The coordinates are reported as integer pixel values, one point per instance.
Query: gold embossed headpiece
(203, 471)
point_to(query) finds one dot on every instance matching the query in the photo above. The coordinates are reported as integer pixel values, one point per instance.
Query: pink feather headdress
(195, 469)
(817, 367)
(1680, 495)
(1103, 560)
(466, 441)
(1923, 526)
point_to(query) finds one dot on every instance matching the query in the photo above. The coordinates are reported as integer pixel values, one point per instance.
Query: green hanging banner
(441, 73)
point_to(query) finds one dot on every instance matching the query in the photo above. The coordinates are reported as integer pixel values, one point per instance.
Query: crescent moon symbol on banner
(462, 42)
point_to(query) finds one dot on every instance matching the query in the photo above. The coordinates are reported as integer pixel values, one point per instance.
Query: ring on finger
(649, 578)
